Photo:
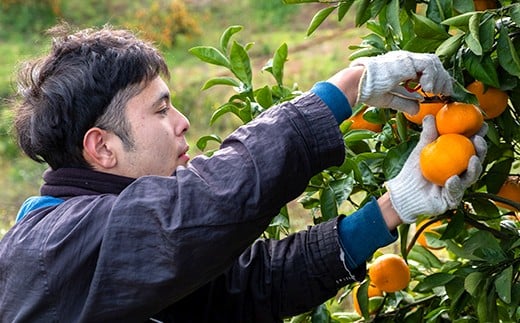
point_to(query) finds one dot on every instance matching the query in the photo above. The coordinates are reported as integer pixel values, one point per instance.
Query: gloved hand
(412, 195)
(381, 82)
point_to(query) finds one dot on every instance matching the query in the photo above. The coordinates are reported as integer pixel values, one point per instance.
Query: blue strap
(36, 202)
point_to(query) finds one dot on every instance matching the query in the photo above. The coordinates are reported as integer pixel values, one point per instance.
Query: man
(127, 230)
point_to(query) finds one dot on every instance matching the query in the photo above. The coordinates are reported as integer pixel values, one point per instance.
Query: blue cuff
(362, 233)
(334, 99)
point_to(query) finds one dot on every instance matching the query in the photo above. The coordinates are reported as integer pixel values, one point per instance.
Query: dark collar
(69, 182)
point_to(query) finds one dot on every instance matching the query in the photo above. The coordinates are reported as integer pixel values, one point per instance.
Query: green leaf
(422, 45)
(484, 246)
(362, 12)
(459, 21)
(487, 34)
(481, 68)
(497, 174)
(392, 16)
(279, 59)
(424, 256)
(223, 109)
(220, 81)
(457, 294)
(406, 27)
(486, 304)
(428, 29)
(342, 188)
(432, 281)
(357, 135)
(435, 315)
(367, 176)
(402, 126)
(438, 10)
(374, 115)
(318, 18)
(460, 252)
(210, 55)
(328, 205)
(362, 297)
(365, 52)
(264, 97)
(343, 8)
(226, 36)
(503, 284)
(454, 227)
(450, 46)
(395, 158)
(202, 143)
(462, 95)
(484, 209)
(515, 13)
(374, 40)
(379, 28)
(507, 54)
(241, 64)
(472, 38)
(472, 282)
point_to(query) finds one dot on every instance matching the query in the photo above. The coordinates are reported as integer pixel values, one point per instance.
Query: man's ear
(97, 149)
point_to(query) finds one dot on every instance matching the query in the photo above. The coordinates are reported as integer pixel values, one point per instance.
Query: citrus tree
(463, 265)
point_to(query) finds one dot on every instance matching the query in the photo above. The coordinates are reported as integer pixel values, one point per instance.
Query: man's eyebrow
(163, 97)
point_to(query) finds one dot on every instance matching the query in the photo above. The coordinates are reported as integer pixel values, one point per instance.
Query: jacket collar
(70, 182)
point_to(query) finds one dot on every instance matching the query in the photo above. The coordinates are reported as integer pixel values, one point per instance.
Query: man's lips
(184, 153)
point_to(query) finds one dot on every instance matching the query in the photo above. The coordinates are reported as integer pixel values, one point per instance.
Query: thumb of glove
(428, 134)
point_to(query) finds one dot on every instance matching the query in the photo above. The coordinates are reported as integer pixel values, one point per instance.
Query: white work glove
(381, 84)
(412, 194)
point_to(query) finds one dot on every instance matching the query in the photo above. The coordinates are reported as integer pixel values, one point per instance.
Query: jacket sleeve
(168, 236)
(272, 280)
(292, 275)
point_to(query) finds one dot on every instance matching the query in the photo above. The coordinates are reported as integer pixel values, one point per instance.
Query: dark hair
(70, 90)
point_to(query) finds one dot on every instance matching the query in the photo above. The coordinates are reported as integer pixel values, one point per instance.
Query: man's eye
(164, 110)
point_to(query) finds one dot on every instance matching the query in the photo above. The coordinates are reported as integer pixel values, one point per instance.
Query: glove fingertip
(474, 165)
(429, 129)
(480, 147)
(409, 106)
(483, 130)
(472, 172)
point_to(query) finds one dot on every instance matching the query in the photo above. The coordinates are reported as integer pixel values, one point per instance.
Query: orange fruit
(373, 291)
(389, 273)
(458, 117)
(492, 101)
(481, 5)
(446, 156)
(358, 122)
(511, 191)
(421, 239)
(425, 108)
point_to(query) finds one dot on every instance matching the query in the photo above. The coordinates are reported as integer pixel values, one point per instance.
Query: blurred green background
(175, 26)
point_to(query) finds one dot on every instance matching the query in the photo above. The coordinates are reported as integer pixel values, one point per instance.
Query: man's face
(157, 130)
